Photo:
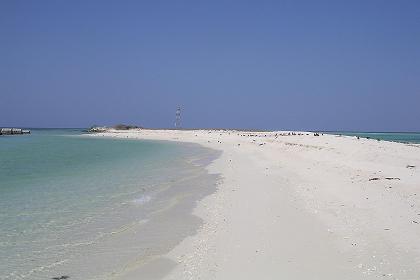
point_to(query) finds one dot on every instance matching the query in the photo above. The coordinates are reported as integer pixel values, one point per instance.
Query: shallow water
(404, 137)
(93, 208)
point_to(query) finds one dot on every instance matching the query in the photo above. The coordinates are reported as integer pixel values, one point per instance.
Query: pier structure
(13, 131)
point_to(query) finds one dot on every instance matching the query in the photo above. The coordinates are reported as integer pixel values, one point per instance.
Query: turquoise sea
(403, 137)
(90, 207)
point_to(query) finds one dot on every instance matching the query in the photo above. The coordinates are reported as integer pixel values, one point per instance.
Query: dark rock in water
(95, 129)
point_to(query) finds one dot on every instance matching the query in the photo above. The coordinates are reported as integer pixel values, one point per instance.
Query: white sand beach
(300, 207)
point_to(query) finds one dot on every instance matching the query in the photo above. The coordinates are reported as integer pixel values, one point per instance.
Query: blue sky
(314, 65)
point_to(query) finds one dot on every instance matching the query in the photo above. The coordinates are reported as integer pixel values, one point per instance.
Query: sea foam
(142, 200)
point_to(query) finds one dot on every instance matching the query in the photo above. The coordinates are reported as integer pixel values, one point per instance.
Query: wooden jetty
(13, 131)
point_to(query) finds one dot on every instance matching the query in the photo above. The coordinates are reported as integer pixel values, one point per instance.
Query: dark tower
(178, 118)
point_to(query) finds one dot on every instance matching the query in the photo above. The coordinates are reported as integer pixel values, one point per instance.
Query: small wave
(24, 275)
(142, 200)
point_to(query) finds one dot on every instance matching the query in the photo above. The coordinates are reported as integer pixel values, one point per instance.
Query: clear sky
(314, 65)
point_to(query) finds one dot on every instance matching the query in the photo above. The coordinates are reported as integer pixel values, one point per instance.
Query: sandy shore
(300, 207)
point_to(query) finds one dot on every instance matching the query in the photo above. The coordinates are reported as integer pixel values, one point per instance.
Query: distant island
(96, 128)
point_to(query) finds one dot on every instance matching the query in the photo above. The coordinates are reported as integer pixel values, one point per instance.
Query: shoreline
(301, 207)
(93, 208)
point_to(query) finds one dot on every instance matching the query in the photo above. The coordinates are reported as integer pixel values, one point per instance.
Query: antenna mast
(178, 118)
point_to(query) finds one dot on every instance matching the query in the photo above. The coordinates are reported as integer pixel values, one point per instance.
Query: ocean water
(403, 137)
(94, 208)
